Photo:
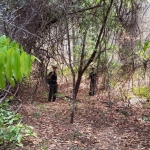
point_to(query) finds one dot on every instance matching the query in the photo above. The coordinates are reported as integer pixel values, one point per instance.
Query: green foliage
(75, 134)
(145, 117)
(143, 48)
(44, 145)
(124, 112)
(37, 114)
(142, 91)
(66, 71)
(11, 129)
(14, 62)
(61, 95)
(55, 114)
(41, 106)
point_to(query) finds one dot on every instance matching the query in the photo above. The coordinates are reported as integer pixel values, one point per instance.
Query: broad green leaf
(3, 40)
(7, 41)
(20, 144)
(23, 63)
(2, 58)
(16, 65)
(33, 58)
(10, 121)
(19, 138)
(4, 49)
(14, 45)
(12, 81)
(146, 45)
(2, 77)
(28, 65)
(139, 45)
(8, 68)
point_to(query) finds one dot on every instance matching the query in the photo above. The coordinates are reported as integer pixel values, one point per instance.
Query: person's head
(93, 69)
(54, 68)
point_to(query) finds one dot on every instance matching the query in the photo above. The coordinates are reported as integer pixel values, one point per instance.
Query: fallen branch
(18, 108)
(12, 95)
(5, 94)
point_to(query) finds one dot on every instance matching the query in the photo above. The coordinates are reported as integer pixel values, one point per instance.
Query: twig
(5, 94)
(12, 95)
(86, 9)
(17, 89)
(18, 108)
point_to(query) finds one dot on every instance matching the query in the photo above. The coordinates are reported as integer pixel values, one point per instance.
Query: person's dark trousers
(92, 88)
(52, 93)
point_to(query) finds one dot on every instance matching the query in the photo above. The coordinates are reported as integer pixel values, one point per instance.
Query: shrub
(12, 131)
(142, 91)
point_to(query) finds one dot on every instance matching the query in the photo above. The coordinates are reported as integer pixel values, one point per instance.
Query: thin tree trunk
(73, 43)
(77, 85)
(81, 68)
(73, 98)
(72, 71)
(99, 37)
(94, 52)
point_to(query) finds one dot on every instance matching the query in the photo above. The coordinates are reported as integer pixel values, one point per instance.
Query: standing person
(52, 77)
(92, 77)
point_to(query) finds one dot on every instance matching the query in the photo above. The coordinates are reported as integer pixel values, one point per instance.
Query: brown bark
(81, 71)
(72, 70)
(77, 85)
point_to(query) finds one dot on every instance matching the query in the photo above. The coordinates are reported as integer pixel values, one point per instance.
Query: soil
(99, 124)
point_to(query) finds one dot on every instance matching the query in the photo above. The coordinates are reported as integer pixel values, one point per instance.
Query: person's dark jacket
(53, 79)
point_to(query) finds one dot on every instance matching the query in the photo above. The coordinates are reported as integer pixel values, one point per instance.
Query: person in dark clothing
(52, 77)
(92, 77)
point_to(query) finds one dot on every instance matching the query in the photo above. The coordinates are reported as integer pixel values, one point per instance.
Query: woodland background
(111, 35)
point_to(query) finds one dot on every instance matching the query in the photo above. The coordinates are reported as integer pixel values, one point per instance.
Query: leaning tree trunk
(77, 85)
(81, 68)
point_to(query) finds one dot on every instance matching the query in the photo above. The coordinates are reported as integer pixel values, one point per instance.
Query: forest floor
(98, 124)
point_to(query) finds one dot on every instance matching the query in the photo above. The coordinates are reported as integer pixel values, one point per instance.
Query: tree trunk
(73, 98)
(71, 68)
(82, 69)
(77, 85)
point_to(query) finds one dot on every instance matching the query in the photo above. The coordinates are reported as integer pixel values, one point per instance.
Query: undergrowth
(142, 91)
(12, 131)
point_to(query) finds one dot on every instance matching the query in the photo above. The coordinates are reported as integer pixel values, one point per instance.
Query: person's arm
(50, 75)
(89, 77)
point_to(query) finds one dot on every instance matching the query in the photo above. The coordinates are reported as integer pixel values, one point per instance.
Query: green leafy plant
(55, 114)
(36, 114)
(43, 145)
(15, 63)
(75, 135)
(45, 93)
(142, 92)
(12, 131)
(40, 106)
(61, 95)
(145, 117)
